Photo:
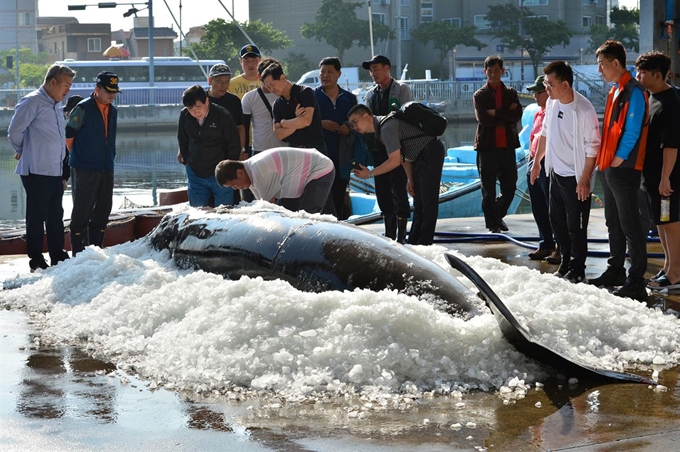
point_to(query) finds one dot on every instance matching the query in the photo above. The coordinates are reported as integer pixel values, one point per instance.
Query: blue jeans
(200, 189)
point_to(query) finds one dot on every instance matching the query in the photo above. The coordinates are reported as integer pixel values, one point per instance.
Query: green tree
(625, 28)
(29, 63)
(296, 64)
(539, 34)
(336, 23)
(223, 40)
(445, 36)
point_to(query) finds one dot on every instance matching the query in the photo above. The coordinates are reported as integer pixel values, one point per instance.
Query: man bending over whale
(295, 178)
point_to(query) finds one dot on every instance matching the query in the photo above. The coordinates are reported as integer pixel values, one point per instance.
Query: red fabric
(501, 138)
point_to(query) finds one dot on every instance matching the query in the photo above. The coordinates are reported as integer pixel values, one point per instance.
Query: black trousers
(427, 176)
(569, 219)
(622, 213)
(44, 214)
(92, 201)
(390, 189)
(496, 164)
(539, 194)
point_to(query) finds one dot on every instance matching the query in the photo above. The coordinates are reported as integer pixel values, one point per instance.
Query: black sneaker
(37, 264)
(610, 278)
(574, 277)
(503, 227)
(62, 257)
(633, 289)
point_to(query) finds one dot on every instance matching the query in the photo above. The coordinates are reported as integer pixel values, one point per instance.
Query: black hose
(467, 237)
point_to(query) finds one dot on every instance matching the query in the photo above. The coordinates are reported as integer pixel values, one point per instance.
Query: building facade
(406, 15)
(18, 24)
(76, 41)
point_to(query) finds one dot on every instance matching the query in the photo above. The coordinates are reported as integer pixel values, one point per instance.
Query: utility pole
(180, 28)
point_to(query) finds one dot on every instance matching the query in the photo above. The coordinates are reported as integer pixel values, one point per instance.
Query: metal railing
(435, 91)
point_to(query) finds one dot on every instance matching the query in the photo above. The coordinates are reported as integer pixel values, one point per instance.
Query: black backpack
(426, 119)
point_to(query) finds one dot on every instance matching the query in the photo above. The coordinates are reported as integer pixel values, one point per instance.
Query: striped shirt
(285, 172)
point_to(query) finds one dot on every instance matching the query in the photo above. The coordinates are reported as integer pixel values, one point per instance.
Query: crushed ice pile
(197, 331)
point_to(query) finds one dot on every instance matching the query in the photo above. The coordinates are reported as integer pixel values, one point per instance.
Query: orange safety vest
(614, 122)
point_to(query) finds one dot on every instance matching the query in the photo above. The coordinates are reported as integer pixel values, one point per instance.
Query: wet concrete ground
(61, 399)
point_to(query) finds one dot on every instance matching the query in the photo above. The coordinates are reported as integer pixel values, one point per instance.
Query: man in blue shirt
(37, 135)
(334, 105)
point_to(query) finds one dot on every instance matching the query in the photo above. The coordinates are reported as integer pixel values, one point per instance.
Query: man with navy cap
(91, 138)
(248, 80)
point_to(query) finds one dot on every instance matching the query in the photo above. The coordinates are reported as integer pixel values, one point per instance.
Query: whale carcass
(314, 255)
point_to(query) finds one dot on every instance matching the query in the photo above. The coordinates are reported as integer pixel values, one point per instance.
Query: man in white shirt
(295, 178)
(570, 142)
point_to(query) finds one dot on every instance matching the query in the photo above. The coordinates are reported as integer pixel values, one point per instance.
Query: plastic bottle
(665, 209)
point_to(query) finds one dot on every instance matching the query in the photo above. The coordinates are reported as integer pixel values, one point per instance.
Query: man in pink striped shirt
(539, 190)
(295, 178)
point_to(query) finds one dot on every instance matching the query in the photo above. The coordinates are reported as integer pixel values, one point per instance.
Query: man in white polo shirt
(295, 178)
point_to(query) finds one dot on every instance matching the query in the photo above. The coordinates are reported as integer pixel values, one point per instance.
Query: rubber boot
(97, 237)
(402, 224)
(390, 226)
(76, 243)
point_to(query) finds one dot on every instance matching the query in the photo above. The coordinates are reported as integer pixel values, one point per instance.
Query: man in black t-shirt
(662, 167)
(296, 117)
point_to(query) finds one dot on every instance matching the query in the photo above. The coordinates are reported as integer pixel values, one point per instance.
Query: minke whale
(316, 256)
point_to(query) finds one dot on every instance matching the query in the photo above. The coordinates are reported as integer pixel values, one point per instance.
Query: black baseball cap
(72, 102)
(108, 81)
(378, 59)
(250, 49)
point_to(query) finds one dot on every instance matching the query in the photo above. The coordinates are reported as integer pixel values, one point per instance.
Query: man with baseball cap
(248, 80)
(91, 138)
(539, 190)
(219, 79)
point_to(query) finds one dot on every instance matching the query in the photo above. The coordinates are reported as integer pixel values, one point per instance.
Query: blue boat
(460, 191)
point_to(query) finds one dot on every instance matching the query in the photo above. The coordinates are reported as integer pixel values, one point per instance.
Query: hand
(64, 184)
(616, 162)
(409, 188)
(344, 129)
(180, 159)
(583, 189)
(17, 156)
(362, 172)
(243, 156)
(665, 187)
(535, 171)
(491, 112)
(300, 110)
(331, 126)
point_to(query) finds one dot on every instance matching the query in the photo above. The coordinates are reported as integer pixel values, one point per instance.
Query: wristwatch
(370, 174)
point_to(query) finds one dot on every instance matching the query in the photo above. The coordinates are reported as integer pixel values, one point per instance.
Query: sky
(191, 15)
(194, 12)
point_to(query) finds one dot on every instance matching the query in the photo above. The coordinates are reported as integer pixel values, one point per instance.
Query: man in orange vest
(620, 162)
